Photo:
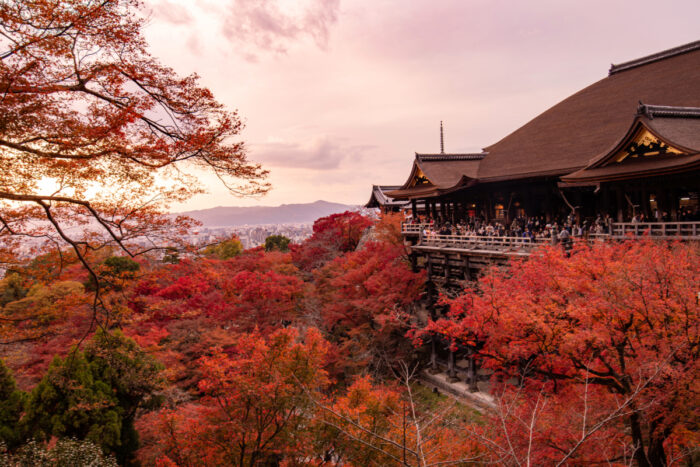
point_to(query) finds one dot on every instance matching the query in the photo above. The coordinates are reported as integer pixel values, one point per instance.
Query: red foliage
(363, 299)
(183, 310)
(615, 325)
(332, 236)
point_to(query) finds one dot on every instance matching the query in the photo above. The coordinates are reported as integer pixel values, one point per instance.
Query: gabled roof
(435, 174)
(565, 137)
(661, 140)
(445, 170)
(379, 198)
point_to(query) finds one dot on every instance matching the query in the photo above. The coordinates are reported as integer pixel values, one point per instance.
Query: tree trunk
(638, 441)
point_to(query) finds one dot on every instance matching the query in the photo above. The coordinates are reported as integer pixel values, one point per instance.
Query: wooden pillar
(451, 370)
(472, 376)
(606, 200)
(579, 202)
(674, 212)
(447, 270)
(620, 199)
(645, 206)
(433, 356)
(547, 202)
(414, 208)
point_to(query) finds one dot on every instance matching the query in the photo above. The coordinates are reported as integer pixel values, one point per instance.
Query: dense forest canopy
(288, 354)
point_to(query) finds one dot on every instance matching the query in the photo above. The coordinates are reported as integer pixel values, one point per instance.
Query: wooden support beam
(447, 269)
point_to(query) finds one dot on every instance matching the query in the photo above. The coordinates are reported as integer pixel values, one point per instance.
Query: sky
(337, 95)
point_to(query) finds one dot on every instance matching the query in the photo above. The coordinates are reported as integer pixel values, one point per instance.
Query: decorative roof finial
(442, 140)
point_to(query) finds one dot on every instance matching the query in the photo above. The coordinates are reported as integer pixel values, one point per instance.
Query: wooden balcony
(619, 230)
(451, 258)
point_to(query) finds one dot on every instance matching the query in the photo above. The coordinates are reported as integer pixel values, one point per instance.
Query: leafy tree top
(277, 242)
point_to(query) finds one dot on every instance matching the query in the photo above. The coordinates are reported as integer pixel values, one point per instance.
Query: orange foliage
(388, 228)
(364, 299)
(87, 107)
(255, 407)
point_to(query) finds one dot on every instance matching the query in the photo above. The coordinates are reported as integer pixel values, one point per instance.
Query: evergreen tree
(95, 394)
(11, 406)
(277, 242)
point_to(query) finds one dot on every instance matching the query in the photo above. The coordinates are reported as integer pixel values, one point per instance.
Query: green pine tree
(11, 407)
(277, 242)
(94, 395)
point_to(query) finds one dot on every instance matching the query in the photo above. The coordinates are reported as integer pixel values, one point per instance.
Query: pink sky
(339, 94)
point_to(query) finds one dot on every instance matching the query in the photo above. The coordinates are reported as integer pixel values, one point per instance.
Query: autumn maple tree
(256, 405)
(332, 236)
(605, 342)
(364, 301)
(96, 136)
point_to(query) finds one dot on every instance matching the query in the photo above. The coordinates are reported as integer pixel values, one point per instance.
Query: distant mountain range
(225, 216)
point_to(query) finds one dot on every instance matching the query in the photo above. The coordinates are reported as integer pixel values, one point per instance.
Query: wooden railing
(683, 230)
(657, 229)
(408, 228)
(619, 229)
(474, 242)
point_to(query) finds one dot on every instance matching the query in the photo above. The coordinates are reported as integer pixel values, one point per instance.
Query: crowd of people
(537, 229)
(534, 228)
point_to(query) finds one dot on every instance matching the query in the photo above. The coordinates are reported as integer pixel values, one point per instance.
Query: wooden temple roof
(379, 197)
(437, 174)
(565, 140)
(565, 137)
(661, 140)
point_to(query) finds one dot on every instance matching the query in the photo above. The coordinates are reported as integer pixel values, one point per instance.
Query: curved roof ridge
(450, 157)
(667, 111)
(681, 49)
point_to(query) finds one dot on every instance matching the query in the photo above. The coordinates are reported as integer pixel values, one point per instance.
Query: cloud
(172, 12)
(322, 154)
(273, 26)
(193, 44)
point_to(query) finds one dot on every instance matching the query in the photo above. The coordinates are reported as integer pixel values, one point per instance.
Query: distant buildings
(250, 236)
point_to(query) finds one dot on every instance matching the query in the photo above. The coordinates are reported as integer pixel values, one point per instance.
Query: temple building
(379, 199)
(626, 145)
